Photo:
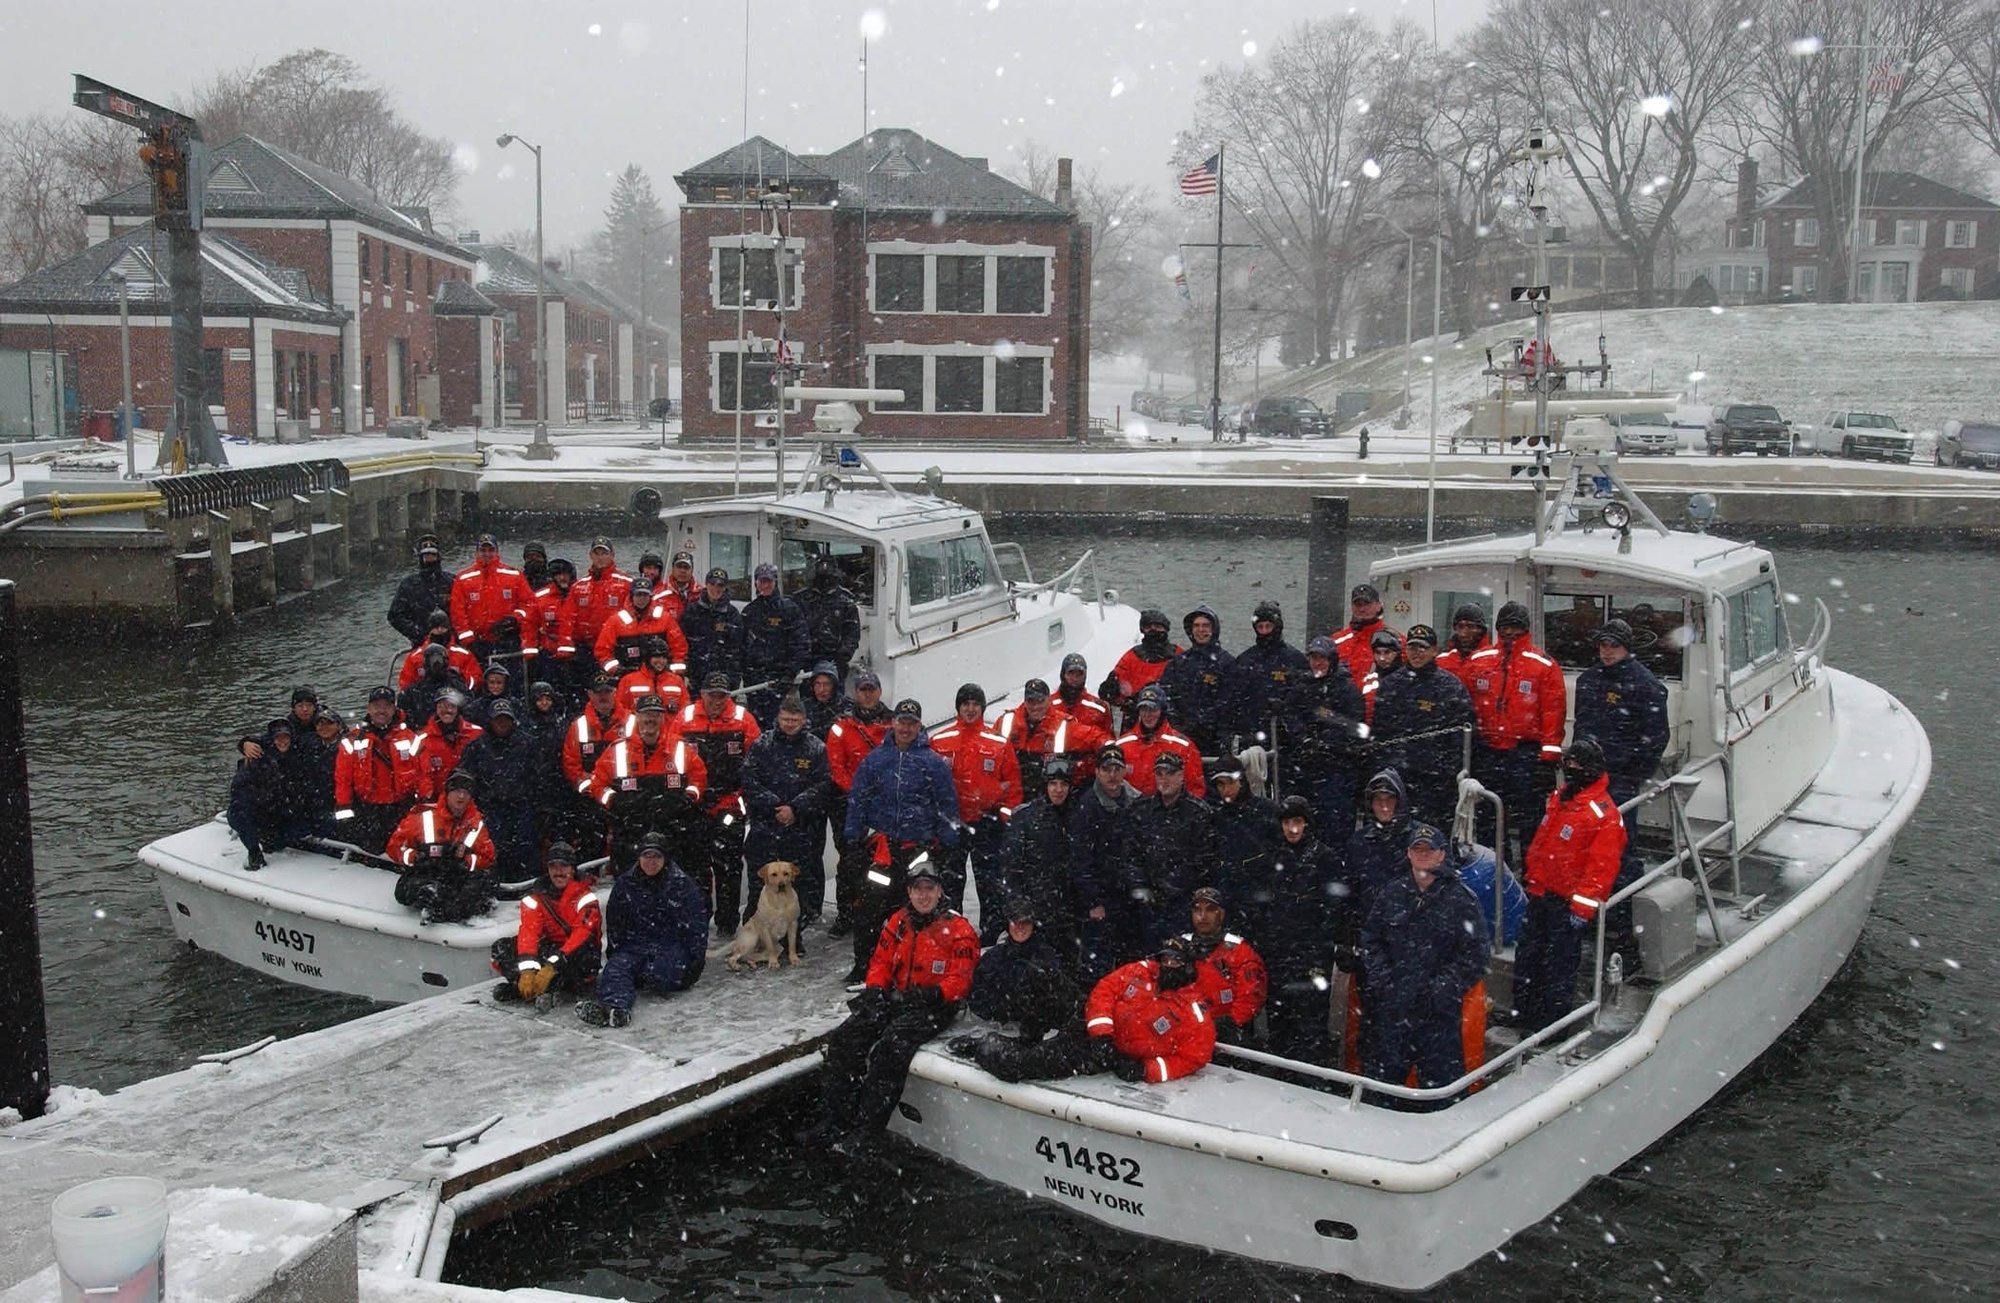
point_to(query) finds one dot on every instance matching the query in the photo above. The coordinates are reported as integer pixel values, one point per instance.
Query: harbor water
(1852, 1161)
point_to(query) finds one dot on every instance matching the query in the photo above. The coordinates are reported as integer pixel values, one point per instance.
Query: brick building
(271, 341)
(1920, 239)
(380, 264)
(907, 267)
(590, 329)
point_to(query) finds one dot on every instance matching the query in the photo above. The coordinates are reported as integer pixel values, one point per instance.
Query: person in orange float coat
(374, 774)
(592, 600)
(1153, 1013)
(1468, 639)
(722, 731)
(655, 677)
(919, 975)
(441, 743)
(1141, 666)
(1230, 969)
(463, 665)
(848, 743)
(558, 944)
(445, 855)
(1355, 644)
(987, 778)
(1572, 864)
(622, 638)
(1074, 699)
(1150, 737)
(1520, 700)
(650, 780)
(490, 603)
(1039, 731)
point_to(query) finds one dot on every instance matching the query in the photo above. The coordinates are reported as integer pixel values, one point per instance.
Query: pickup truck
(1754, 427)
(1869, 436)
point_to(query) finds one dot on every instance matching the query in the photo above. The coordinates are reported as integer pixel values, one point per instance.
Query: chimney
(1063, 183)
(1746, 187)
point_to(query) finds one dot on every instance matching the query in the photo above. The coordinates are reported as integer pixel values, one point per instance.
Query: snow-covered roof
(235, 281)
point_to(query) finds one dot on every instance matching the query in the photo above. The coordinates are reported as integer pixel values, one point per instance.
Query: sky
(600, 85)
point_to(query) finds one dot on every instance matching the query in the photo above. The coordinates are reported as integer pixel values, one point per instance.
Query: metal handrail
(1396, 1090)
(1066, 583)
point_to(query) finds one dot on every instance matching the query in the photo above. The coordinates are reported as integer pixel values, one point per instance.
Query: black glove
(1347, 958)
(1129, 1069)
(1109, 689)
(506, 627)
(873, 999)
(930, 998)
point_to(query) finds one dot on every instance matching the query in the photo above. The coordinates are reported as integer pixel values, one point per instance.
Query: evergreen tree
(635, 255)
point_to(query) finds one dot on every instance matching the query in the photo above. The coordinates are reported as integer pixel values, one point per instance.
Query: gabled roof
(504, 271)
(1883, 190)
(906, 172)
(458, 298)
(753, 159)
(249, 177)
(234, 282)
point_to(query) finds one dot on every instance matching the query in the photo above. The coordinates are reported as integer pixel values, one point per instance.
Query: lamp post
(1409, 297)
(645, 325)
(539, 449)
(125, 368)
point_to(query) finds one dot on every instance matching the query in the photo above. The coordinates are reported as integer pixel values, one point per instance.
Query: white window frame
(1957, 279)
(962, 249)
(1805, 278)
(721, 353)
(1915, 226)
(1757, 234)
(754, 240)
(990, 352)
(1800, 228)
(1953, 229)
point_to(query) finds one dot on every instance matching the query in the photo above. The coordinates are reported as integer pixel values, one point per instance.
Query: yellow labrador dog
(776, 919)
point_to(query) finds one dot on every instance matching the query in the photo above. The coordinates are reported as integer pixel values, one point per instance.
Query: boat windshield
(799, 558)
(1661, 629)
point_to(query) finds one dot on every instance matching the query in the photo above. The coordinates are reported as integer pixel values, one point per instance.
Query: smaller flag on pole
(1886, 78)
(1203, 180)
(1181, 283)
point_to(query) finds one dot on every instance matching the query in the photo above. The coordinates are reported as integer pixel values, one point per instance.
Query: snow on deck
(338, 1117)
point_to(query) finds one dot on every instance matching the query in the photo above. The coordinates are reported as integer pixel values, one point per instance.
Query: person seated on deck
(1228, 966)
(556, 947)
(920, 973)
(462, 666)
(1423, 951)
(657, 925)
(1023, 978)
(263, 807)
(1146, 1021)
(446, 856)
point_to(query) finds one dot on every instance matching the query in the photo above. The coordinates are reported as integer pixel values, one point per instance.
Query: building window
(510, 386)
(1018, 385)
(961, 283)
(1961, 235)
(1757, 234)
(1805, 281)
(409, 271)
(367, 381)
(510, 325)
(759, 379)
(367, 269)
(1618, 274)
(1909, 232)
(904, 371)
(1023, 285)
(1584, 273)
(748, 278)
(430, 278)
(312, 380)
(961, 384)
(1959, 281)
(1805, 233)
(899, 282)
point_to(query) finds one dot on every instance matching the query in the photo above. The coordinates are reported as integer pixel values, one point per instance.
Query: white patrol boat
(940, 604)
(1765, 833)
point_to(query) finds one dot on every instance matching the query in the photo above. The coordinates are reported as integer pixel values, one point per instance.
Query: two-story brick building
(907, 266)
(588, 330)
(380, 264)
(1920, 239)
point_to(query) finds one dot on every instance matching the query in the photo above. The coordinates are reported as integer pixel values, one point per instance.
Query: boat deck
(339, 1117)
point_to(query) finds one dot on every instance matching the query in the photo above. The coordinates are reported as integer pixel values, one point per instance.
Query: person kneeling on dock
(1147, 1021)
(446, 855)
(920, 973)
(657, 923)
(556, 948)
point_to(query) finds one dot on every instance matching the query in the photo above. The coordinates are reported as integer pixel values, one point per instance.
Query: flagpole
(1215, 380)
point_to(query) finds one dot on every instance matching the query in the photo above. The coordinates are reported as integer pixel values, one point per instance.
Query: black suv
(1737, 427)
(1290, 418)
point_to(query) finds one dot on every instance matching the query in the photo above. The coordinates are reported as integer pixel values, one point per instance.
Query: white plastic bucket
(110, 1239)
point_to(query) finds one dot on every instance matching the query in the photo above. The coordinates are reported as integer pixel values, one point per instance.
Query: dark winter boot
(255, 860)
(593, 1014)
(506, 993)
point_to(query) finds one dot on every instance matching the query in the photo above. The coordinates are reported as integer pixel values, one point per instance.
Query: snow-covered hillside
(1923, 363)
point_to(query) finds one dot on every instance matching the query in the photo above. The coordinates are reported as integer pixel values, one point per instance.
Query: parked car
(1867, 435)
(1969, 443)
(1289, 418)
(1191, 414)
(1646, 432)
(1753, 427)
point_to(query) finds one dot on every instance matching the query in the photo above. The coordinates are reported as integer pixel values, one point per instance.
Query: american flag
(1886, 78)
(1203, 180)
(1181, 284)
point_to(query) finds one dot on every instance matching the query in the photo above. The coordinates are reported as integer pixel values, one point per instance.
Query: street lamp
(645, 323)
(1409, 297)
(538, 450)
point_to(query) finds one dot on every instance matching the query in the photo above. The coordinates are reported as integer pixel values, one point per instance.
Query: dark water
(1854, 1160)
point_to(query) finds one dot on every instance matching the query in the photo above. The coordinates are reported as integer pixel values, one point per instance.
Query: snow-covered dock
(353, 1117)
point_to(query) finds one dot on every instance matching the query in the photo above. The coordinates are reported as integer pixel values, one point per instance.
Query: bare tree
(49, 166)
(1974, 103)
(1463, 145)
(1804, 95)
(1310, 132)
(1126, 287)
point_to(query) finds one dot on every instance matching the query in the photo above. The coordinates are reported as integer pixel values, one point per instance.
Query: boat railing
(1816, 637)
(1006, 552)
(1357, 1084)
(1080, 579)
